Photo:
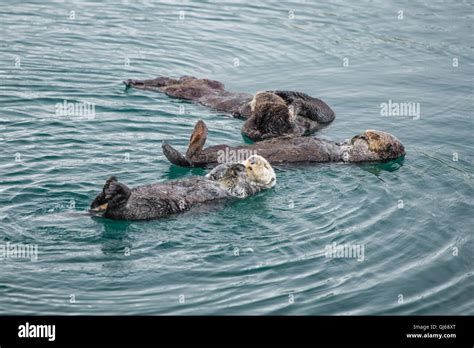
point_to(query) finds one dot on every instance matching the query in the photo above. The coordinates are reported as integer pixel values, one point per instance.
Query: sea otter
(226, 181)
(371, 145)
(269, 114)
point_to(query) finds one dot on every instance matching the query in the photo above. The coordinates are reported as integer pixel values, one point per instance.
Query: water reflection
(378, 168)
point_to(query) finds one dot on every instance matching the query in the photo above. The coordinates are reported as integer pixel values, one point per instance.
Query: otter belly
(160, 200)
(279, 150)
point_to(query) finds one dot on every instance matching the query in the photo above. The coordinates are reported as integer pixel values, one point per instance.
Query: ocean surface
(411, 219)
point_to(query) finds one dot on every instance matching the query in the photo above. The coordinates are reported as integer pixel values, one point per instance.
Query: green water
(264, 254)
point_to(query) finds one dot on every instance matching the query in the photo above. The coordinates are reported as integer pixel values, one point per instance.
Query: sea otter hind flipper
(195, 146)
(174, 156)
(116, 194)
(197, 140)
(101, 201)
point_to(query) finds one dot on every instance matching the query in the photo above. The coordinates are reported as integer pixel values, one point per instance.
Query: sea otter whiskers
(269, 114)
(369, 146)
(226, 181)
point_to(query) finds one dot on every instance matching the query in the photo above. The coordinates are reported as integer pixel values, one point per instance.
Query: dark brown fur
(369, 146)
(207, 92)
(269, 114)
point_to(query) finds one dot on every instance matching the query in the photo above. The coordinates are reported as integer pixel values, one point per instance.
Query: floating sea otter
(369, 146)
(269, 114)
(226, 181)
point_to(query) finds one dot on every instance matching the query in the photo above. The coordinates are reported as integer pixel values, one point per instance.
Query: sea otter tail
(195, 146)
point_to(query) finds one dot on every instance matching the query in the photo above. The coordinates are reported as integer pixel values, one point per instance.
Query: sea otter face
(259, 171)
(270, 117)
(376, 145)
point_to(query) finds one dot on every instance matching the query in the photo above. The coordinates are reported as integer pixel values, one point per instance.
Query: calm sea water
(265, 254)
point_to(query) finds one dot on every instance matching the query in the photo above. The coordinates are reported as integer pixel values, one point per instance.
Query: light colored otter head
(373, 145)
(270, 117)
(244, 179)
(259, 171)
(266, 97)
